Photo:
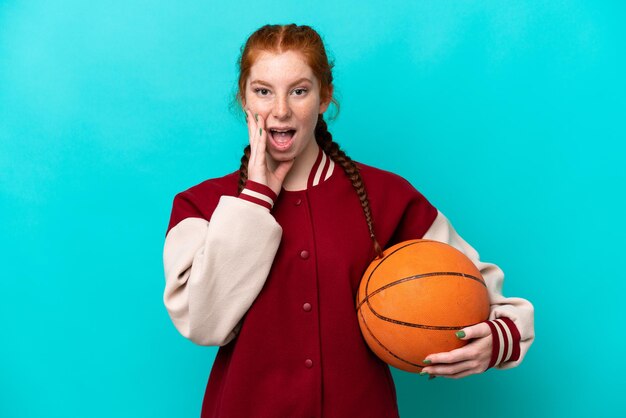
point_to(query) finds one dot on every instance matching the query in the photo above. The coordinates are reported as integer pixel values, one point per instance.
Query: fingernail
(426, 361)
(460, 334)
(431, 377)
(423, 373)
(260, 131)
(256, 117)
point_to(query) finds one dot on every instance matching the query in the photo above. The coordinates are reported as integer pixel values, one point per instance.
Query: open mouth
(282, 139)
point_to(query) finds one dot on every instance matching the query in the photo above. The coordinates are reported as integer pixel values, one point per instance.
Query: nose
(281, 108)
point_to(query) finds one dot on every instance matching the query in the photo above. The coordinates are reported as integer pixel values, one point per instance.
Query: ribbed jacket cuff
(506, 341)
(258, 193)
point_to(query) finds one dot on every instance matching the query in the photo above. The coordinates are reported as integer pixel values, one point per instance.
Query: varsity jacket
(272, 280)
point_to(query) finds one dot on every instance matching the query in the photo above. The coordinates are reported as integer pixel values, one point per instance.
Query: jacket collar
(321, 170)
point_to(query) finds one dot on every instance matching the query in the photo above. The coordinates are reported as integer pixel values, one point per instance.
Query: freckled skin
(283, 100)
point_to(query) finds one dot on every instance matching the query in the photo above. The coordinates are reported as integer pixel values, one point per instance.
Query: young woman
(265, 262)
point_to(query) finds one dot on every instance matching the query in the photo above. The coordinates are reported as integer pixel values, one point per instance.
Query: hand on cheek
(258, 168)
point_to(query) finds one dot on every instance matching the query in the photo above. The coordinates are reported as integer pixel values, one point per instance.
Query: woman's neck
(298, 176)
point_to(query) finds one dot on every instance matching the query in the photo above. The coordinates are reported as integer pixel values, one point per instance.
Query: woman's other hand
(470, 359)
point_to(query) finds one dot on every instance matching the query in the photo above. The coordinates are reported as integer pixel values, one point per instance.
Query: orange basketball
(412, 301)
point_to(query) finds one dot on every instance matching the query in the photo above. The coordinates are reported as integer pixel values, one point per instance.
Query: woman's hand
(470, 359)
(258, 168)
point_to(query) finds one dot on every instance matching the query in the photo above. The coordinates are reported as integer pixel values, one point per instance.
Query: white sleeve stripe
(258, 195)
(320, 168)
(501, 339)
(509, 337)
(330, 170)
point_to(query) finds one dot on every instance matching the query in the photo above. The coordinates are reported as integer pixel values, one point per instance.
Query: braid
(243, 169)
(325, 141)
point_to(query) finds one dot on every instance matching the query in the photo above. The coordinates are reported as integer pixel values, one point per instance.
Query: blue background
(508, 116)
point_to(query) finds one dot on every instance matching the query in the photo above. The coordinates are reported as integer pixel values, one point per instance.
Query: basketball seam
(383, 346)
(421, 276)
(367, 282)
(409, 324)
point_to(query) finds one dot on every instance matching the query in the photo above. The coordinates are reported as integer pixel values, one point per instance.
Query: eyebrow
(265, 83)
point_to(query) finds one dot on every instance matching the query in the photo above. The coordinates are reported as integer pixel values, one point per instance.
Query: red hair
(282, 38)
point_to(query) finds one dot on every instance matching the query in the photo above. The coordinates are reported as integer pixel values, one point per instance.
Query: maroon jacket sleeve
(182, 208)
(200, 201)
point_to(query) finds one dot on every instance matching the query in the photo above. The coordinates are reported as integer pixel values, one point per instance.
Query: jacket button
(306, 307)
(298, 202)
(304, 254)
(308, 363)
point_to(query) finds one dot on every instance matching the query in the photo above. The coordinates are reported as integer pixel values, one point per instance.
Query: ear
(324, 105)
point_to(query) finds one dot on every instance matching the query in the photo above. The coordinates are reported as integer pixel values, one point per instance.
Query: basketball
(411, 302)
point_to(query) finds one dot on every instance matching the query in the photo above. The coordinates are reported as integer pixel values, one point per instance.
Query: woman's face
(284, 91)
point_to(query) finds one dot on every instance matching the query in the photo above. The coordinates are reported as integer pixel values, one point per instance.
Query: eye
(300, 92)
(263, 91)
